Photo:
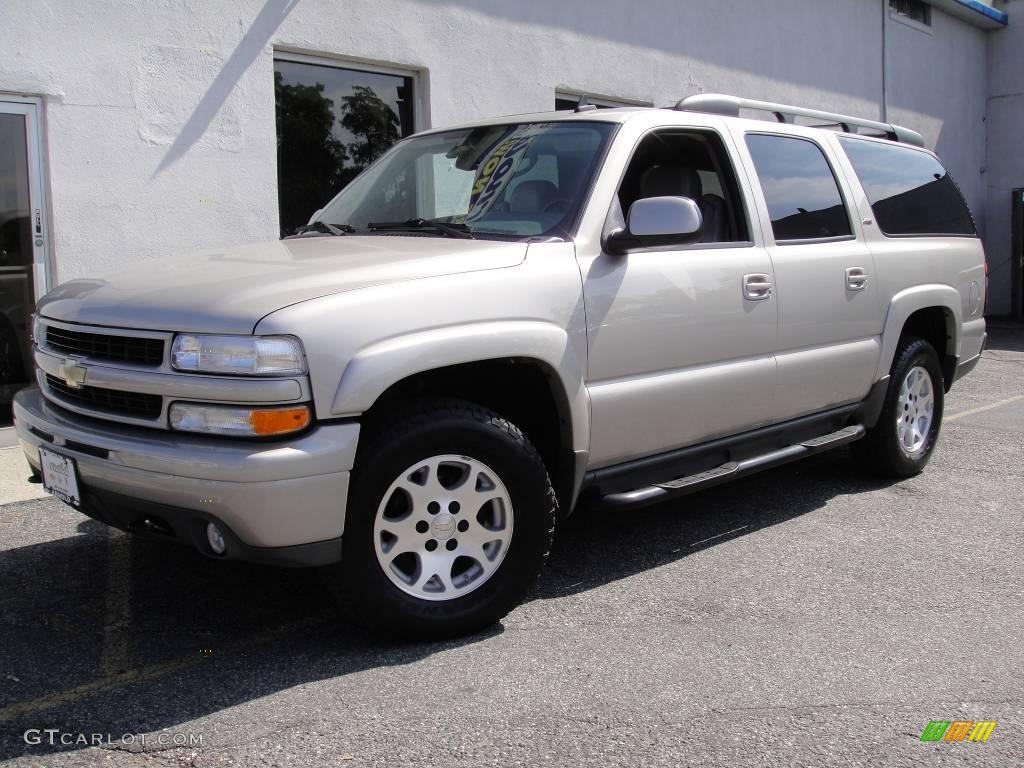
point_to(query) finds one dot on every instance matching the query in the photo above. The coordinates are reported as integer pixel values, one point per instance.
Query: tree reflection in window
(331, 123)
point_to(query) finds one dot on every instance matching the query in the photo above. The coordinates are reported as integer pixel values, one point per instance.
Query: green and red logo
(958, 730)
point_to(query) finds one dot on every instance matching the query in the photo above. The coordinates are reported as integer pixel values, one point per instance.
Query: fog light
(216, 539)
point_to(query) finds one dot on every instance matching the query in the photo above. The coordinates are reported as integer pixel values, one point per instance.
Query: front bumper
(278, 502)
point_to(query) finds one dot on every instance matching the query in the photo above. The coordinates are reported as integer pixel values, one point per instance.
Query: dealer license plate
(60, 477)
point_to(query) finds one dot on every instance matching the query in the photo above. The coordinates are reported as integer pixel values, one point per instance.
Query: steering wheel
(558, 205)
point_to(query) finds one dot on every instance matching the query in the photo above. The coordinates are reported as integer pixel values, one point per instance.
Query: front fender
(378, 366)
(907, 302)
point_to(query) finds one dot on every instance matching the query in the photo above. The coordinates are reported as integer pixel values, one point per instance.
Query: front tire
(450, 519)
(902, 441)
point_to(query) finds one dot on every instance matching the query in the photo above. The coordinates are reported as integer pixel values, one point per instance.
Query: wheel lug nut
(433, 507)
(463, 526)
(454, 507)
(431, 545)
(451, 544)
(422, 526)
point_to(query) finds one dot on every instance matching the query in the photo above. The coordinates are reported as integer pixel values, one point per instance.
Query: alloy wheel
(915, 410)
(443, 527)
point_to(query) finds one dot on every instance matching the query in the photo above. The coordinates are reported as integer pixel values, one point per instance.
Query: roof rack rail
(721, 104)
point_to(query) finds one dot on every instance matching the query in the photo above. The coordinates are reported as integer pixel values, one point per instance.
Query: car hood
(230, 290)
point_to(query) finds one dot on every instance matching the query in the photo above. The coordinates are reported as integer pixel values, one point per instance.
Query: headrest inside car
(670, 181)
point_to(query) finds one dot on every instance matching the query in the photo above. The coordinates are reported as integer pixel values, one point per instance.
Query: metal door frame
(31, 107)
(1017, 254)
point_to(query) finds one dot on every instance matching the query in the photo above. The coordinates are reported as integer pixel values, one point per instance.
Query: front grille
(103, 346)
(114, 401)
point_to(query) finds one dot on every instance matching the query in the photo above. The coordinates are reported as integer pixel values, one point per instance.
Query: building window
(332, 122)
(568, 100)
(915, 10)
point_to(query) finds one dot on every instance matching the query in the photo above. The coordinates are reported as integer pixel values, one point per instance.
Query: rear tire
(450, 518)
(902, 441)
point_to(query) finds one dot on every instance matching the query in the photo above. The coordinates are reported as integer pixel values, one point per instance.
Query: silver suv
(499, 323)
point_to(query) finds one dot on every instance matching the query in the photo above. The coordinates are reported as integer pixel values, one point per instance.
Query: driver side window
(691, 164)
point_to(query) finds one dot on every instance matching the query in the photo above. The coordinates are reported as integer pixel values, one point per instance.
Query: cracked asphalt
(810, 615)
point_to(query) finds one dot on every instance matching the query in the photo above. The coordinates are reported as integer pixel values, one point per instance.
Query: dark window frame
(901, 236)
(916, 11)
(570, 99)
(835, 177)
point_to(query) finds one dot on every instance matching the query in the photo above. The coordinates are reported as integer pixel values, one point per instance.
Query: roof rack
(721, 104)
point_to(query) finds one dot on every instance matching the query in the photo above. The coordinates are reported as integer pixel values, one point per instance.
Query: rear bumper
(964, 367)
(280, 502)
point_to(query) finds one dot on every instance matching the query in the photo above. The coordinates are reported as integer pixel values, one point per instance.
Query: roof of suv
(710, 109)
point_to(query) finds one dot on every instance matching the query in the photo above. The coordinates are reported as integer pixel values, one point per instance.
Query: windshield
(521, 180)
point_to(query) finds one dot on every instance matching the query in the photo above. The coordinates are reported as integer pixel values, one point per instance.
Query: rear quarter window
(909, 190)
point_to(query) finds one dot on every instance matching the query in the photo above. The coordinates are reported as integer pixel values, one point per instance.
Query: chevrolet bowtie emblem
(72, 373)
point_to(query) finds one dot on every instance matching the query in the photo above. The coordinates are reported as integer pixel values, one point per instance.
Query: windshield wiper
(445, 228)
(323, 226)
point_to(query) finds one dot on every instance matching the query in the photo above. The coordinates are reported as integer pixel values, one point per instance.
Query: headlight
(239, 355)
(238, 421)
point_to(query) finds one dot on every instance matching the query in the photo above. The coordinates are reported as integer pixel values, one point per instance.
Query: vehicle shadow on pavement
(594, 548)
(109, 634)
(1005, 336)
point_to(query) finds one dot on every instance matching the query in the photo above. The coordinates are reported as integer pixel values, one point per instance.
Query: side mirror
(654, 221)
(315, 216)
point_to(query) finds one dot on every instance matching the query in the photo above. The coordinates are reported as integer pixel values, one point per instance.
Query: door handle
(757, 287)
(856, 278)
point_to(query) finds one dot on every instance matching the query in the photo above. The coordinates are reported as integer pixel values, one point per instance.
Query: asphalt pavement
(810, 615)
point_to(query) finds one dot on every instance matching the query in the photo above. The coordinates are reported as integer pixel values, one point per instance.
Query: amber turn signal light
(279, 421)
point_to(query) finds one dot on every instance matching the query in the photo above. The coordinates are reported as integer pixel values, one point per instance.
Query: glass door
(22, 245)
(1016, 257)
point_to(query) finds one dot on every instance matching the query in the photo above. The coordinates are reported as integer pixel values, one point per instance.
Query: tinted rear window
(802, 195)
(909, 190)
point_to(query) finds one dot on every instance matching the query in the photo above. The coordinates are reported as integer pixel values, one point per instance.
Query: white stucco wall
(1005, 167)
(937, 84)
(160, 113)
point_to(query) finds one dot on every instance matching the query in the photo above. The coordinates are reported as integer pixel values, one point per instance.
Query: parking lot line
(983, 408)
(719, 535)
(96, 686)
(115, 656)
(119, 679)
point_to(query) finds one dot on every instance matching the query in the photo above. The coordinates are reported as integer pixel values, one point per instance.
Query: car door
(827, 290)
(680, 338)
